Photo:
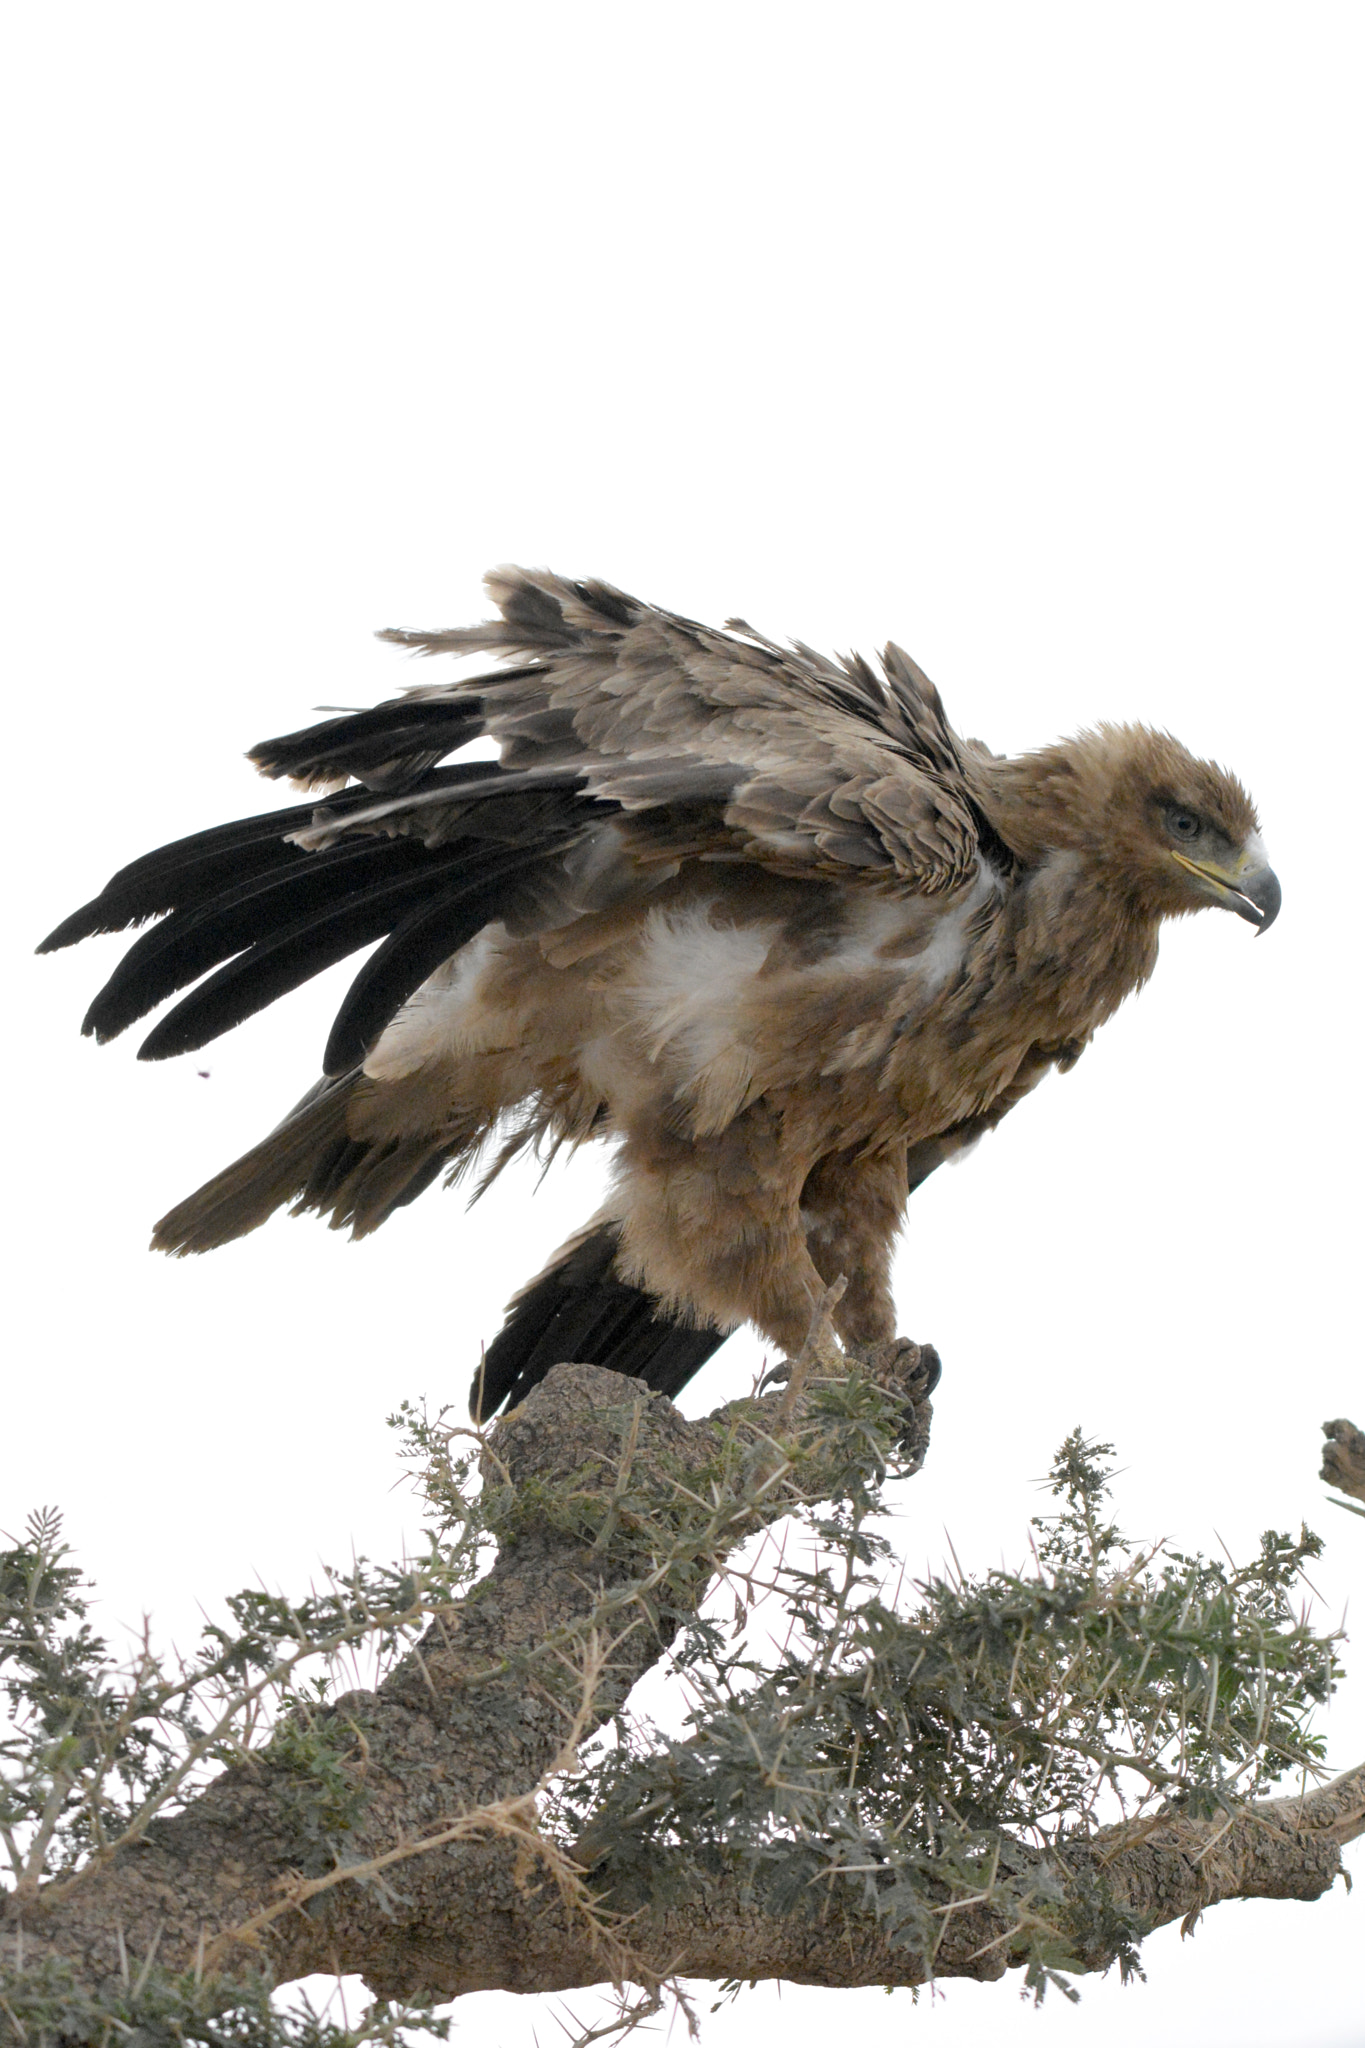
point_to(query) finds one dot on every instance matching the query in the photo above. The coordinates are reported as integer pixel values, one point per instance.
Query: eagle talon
(928, 1372)
(899, 1361)
(912, 1371)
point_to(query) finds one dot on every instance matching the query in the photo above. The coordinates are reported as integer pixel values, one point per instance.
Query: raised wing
(630, 741)
(809, 763)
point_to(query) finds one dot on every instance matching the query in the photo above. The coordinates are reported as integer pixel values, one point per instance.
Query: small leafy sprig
(98, 1745)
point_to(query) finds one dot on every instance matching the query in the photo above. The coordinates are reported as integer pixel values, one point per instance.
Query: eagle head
(1168, 832)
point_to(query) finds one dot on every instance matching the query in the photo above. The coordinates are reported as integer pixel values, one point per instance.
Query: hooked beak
(1252, 888)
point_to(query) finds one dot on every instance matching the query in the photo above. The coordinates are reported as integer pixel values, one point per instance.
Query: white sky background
(1028, 335)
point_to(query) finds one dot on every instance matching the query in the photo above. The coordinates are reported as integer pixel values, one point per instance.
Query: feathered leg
(852, 1207)
(738, 1194)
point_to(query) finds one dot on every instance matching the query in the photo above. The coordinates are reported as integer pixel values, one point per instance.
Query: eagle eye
(1183, 824)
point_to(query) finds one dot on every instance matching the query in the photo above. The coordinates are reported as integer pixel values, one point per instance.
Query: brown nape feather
(759, 918)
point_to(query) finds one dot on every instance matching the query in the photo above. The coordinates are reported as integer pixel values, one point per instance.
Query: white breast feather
(690, 988)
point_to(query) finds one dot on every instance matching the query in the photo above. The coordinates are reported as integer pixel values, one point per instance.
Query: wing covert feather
(810, 764)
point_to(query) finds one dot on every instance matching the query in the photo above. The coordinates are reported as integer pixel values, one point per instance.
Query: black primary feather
(192, 870)
(187, 871)
(387, 744)
(414, 950)
(294, 954)
(193, 939)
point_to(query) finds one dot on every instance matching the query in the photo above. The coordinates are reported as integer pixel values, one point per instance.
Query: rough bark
(450, 1751)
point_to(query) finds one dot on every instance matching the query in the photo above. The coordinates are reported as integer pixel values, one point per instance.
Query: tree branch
(612, 1514)
(1133, 1878)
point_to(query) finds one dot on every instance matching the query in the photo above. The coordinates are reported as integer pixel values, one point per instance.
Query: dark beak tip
(1267, 897)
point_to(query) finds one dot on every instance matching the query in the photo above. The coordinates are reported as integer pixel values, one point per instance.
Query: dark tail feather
(578, 1310)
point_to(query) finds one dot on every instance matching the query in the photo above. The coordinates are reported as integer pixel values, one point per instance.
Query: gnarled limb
(612, 1515)
(1148, 1874)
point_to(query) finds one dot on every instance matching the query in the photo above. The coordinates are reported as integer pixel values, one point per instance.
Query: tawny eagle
(760, 919)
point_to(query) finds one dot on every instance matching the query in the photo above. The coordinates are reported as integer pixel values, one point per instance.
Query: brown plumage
(761, 919)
